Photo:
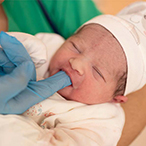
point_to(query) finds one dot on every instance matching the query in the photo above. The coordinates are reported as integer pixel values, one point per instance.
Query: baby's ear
(119, 99)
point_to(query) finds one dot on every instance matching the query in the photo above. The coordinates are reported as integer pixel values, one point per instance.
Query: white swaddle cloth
(59, 122)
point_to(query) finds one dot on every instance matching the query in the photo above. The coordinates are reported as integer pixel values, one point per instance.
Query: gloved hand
(19, 89)
(34, 46)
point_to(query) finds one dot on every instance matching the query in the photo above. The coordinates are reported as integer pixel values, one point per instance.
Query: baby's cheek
(87, 93)
(79, 95)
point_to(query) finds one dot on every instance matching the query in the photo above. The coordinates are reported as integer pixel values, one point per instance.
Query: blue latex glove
(18, 87)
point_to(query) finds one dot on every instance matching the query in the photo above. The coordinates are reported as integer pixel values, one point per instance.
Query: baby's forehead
(99, 37)
(104, 44)
(96, 28)
(95, 34)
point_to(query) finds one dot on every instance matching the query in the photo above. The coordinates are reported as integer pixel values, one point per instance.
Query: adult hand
(18, 87)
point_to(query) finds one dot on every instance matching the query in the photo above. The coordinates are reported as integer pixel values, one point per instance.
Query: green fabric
(66, 15)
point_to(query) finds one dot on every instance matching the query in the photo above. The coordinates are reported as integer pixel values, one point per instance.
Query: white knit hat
(129, 27)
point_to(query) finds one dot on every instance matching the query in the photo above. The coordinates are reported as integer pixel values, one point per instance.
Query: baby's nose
(77, 65)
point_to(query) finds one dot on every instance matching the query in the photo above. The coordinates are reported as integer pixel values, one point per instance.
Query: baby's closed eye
(75, 47)
(97, 71)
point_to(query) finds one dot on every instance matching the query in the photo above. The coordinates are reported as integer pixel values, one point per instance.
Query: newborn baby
(91, 59)
(105, 58)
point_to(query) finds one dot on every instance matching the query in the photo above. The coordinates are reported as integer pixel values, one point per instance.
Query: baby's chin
(69, 94)
(65, 92)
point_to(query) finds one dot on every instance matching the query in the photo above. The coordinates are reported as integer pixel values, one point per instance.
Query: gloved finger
(13, 83)
(6, 65)
(47, 87)
(14, 50)
(36, 93)
(20, 103)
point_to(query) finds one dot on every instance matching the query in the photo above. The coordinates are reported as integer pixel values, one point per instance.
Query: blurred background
(112, 6)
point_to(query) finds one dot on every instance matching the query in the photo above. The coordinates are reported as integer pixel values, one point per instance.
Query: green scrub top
(66, 15)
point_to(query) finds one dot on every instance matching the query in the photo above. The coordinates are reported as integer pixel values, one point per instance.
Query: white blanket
(59, 122)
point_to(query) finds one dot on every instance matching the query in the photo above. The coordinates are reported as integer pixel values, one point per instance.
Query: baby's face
(91, 59)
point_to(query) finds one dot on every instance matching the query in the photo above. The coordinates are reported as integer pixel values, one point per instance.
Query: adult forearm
(3, 20)
(135, 112)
